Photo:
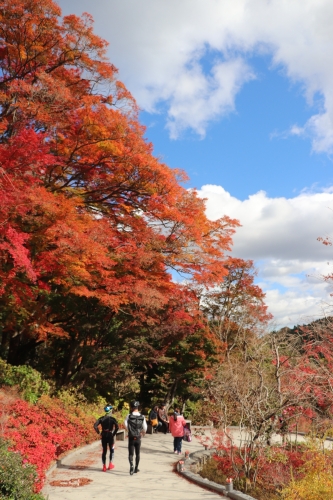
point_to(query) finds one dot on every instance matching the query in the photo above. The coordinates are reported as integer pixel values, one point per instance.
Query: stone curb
(193, 460)
(71, 453)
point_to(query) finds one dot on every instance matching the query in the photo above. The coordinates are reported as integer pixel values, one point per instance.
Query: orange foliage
(85, 207)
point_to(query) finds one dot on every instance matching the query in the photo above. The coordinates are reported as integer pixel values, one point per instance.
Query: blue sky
(239, 94)
(250, 149)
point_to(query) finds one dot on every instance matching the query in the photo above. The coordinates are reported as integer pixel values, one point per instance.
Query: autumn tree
(263, 388)
(235, 307)
(91, 222)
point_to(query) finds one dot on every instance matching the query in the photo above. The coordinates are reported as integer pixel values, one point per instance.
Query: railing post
(181, 465)
(230, 485)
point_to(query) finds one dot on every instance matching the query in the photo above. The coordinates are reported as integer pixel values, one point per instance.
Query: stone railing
(193, 464)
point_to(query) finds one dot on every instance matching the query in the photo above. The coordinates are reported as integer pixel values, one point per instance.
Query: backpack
(187, 435)
(135, 425)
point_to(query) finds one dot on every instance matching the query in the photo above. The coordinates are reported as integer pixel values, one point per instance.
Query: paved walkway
(156, 478)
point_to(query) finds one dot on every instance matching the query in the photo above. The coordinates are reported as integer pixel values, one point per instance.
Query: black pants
(107, 439)
(164, 426)
(134, 445)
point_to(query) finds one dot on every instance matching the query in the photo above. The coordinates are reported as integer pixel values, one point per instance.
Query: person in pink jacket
(176, 425)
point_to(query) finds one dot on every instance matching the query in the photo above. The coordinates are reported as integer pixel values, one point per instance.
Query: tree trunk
(71, 362)
(169, 399)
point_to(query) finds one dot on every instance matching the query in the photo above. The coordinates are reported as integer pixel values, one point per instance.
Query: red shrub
(43, 431)
(276, 465)
(269, 466)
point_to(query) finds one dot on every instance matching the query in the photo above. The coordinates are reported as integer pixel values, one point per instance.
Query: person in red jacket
(176, 425)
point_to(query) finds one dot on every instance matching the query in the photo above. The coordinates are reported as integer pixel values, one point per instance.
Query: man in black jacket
(136, 425)
(109, 430)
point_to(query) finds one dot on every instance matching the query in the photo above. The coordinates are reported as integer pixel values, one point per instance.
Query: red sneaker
(104, 468)
(111, 466)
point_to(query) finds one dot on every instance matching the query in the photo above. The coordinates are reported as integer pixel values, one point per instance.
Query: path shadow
(155, 452)
(90, 469)
(77, 467)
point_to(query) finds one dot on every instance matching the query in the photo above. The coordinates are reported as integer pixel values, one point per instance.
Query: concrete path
(156, 478)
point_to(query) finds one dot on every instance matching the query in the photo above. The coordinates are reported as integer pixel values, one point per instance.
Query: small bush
(17, 477)
(211, 471)
(120, 415)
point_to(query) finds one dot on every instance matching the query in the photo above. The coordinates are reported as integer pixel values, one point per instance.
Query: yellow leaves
(318, 486)
(22, 53)
(317, 480)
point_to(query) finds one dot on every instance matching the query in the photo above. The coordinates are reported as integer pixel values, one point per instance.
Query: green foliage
(194, 411)
(17, 477)
(120, 415)
(73, 398)
(77, 403)
(29, 381)
(211, 471)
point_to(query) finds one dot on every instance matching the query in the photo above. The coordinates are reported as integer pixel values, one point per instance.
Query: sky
(239, 94)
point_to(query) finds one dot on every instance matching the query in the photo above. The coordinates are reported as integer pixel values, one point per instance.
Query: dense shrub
(29, 381)
(211, 471)
(17, 476)
(76, 402)
(315, 478)
(43, 431)
(273, 474)
(302, 472)
(276, 465)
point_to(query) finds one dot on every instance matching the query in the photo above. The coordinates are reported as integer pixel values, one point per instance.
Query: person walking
(163, 418)
(136, 425)
(109, 429)
(176, 424)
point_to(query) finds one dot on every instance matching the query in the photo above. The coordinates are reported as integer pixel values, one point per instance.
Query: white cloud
(296, 308)
(159, 47)
(198, 99)
(280, 235)
(275, 227)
